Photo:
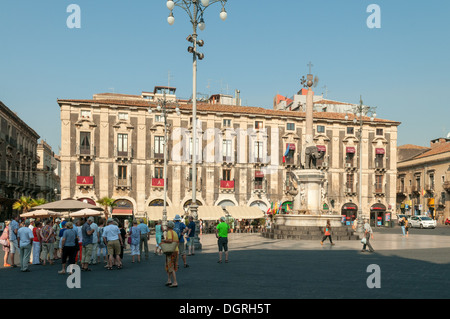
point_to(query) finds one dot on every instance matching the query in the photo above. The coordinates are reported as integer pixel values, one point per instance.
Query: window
(379, 161)
(122, 174)
(349, 184)
(226, 123)
(349, 158)
(379, 131)
(290, 126)
(258, 151)
(258, 125)
(85, 170)
(190, 174)
(191, 148)
(159, 118)
(159, 145)
(85, 114)
(122, 144)
(226, 149)
(350, 130)
(226, 174)
(85, 142)
(159, 172)
(123, 116)
(378, 183)
(321, 129)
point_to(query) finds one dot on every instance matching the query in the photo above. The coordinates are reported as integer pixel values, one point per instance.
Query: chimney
(238, 97)
(438, 142)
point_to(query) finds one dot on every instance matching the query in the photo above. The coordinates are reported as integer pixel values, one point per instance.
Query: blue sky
(262, 49)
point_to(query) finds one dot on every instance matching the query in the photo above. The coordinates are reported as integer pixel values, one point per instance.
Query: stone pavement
(262, 269)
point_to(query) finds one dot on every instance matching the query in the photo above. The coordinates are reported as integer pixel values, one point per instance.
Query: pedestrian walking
(13, 243)
(87, 244)
(77, 227)
(135, 237)
(56, 229)
(101, 250)
(402, 224)
(4, 241)
(25, 241)
(37, 243)
(69, 245)
(222, 231)
(407, 225)
(113, 241)
(190, 236)
(368, 234)
(158, 237)
(171, 265)
(94, 226)
(144, 237)
(180, 229)
(327, 233)
(48, 239)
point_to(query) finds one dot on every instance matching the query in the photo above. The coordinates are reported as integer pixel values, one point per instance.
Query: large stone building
(112, 146)
(48, 172)
(423, 183)
(18, 160)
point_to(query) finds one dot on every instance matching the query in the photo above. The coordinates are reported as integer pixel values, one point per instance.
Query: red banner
(85, 180)
(226, 184)
(158, 182)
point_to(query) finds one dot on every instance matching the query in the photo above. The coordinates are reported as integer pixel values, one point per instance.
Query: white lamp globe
(170, 5)
(201, 25)
(205, 3)
(223, 14)
(171, 19)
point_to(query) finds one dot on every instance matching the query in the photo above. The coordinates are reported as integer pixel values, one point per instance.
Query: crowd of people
(87, 242)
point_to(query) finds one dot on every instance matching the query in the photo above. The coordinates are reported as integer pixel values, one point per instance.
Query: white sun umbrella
(86, 212)
(40, 213)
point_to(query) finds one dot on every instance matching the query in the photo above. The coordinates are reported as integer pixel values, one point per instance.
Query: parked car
(422, 222)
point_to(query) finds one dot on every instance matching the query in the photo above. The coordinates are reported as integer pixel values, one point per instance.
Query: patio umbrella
(67, 205)
(86, 212)
(40, 213)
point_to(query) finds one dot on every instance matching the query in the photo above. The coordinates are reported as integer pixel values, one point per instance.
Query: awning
(122, 211)
(321, 148)
(156, 212)
(379, 151)
(431, 202)
(350, 150)
(210, 212)
(245, 212)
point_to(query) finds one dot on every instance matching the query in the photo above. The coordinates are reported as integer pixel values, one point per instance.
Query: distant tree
(107, 203)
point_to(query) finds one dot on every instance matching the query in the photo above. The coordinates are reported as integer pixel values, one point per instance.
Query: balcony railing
(85, 151)
(226, 185)
(85, 181)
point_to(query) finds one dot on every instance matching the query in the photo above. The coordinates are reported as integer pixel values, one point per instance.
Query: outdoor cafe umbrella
(40, 213)
(67, 205)
(86, 212)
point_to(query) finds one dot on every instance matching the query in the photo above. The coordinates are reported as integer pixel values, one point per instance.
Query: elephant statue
(311, 155)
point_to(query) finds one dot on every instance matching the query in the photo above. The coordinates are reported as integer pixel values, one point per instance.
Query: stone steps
(309, 233)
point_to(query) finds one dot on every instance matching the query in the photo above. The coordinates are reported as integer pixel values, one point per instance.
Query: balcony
(380, 165)
(260, 186)
(198, 186)
(158, 156)
(123, 155)
(350, 165)
(227, 186)
(85, 181)
(85, 152)
(349, 190)
(229, 159)
(378, 190)
(123, 183)
(158, 182)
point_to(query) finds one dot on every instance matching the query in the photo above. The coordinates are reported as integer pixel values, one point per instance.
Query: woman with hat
(171, 265)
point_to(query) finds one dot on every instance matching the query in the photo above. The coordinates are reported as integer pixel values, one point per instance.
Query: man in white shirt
(25, 240)
(113, 242)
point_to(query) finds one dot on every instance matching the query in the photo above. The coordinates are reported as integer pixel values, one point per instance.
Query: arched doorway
(226, 203)
(349, 213)
(261, 205)
(377, 215)
(123, 210)
(157, 202)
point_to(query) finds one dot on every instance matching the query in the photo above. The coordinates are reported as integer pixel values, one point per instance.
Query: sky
(262, 49)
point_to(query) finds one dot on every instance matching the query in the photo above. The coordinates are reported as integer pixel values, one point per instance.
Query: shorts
(190, 241)
(181, 249)
(223, 243)
(14, 246)
(87, 253)
(113, 247)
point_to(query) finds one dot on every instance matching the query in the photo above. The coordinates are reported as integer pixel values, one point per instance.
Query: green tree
(24, 203)
(107, 203)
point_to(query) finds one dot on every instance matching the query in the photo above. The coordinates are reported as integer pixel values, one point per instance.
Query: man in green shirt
(222, 231)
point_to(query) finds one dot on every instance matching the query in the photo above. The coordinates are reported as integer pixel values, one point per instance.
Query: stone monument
(310, 190)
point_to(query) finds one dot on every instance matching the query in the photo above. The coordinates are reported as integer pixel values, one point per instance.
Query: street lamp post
(360, 111)
(195, 10)
(162, 107)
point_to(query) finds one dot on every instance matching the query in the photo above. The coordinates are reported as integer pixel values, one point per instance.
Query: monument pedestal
(309, 196)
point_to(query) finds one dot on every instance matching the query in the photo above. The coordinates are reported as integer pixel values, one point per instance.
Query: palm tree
(39, 201)
(107, 202)
(24, 203)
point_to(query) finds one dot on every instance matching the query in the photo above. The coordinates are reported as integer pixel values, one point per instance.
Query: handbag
(3, 238)
(169, 248)
(129, 238)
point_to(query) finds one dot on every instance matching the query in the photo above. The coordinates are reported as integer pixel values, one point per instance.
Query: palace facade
(112, 146)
